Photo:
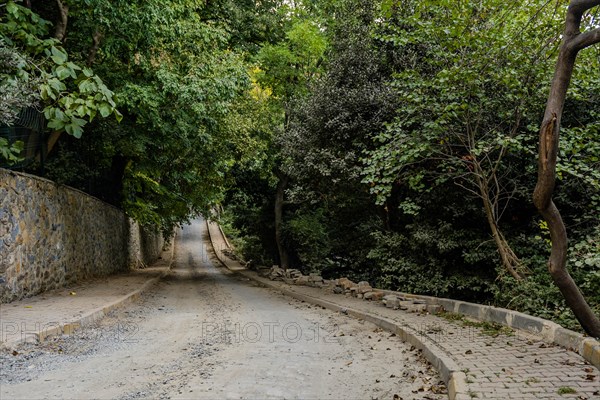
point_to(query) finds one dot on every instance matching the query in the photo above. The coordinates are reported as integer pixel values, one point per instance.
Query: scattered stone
(279, 274)
(377, 296)
(364, 287)
(302, 280)
(276, 273)
(391, 301)
(293, 273)
(338, 290)
(345, 283)
(369, 295)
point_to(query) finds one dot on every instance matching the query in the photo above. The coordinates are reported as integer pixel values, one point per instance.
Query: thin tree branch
(96, 39)
(586, 39)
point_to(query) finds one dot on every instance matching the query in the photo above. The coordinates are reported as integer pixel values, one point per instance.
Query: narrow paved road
(205, 333)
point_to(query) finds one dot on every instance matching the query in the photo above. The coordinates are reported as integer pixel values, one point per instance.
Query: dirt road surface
(205, 333)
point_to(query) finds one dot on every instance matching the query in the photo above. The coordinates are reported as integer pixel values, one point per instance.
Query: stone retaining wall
(52, 236)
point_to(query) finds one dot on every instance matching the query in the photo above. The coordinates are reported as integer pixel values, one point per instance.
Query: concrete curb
(93, 316)
(449, 370)
(549, 331)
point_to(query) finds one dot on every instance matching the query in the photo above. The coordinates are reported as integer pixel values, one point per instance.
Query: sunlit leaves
(467, 83)
(72, 96)
(290, 64)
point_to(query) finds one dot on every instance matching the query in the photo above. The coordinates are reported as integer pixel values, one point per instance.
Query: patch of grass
(529, 381)
(450, 316)
(566, 390)
(487, 328)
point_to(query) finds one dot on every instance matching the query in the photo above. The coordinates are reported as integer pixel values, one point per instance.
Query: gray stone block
(470, 309)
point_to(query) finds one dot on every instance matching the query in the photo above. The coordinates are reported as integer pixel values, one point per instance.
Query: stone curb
(549, 331)
(449, 370)
(93, 316)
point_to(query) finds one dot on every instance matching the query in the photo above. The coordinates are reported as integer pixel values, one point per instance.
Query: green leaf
(88, 72)
(118, 115)
(56, 124)
(63, 72)
(58, 56)
(73, 66)
(57, 85)
(105, 110)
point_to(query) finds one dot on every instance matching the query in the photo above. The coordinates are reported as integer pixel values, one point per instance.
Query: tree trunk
(96, 39)
(61, 25)
(52, 139)
(279, 200)
(573, 41)
(510, 261)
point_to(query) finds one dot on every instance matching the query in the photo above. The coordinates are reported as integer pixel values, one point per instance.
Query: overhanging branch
(586, 39)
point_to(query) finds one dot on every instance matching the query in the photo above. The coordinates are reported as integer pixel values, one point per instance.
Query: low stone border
(68, 328)
(549, 331)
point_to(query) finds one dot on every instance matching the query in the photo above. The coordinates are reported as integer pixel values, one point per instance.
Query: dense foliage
(419, 140)
(394, 141)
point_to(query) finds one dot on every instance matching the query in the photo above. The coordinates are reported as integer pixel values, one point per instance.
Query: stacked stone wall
(52, 236)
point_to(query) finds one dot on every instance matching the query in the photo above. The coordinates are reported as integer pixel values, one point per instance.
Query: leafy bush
(307, 233)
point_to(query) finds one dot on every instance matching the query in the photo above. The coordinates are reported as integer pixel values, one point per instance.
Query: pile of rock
(295, 277)
(280, 274)
(360, 290)
(313, 280)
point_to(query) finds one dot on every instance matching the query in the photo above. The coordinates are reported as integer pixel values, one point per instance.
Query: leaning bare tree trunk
(279, 199)
(573, 41)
